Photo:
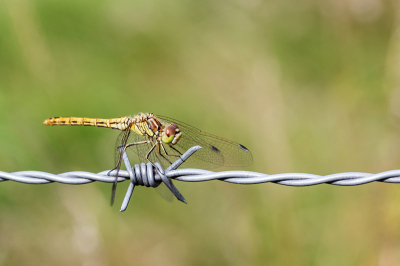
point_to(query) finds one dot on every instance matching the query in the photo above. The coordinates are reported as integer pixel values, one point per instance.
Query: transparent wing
(215, 150)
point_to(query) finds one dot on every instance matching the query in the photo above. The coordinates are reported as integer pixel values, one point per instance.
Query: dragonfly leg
(136, 143)
(126, 146)
(176, 151)
(159, 152)
(148, 154)
(166, 153)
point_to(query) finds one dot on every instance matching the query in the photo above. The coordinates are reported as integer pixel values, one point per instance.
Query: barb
(146, 175)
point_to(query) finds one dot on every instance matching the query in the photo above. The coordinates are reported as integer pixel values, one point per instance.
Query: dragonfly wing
(202, 158)
(235, 154)
(215, 150)
(165, 193)
(120, 144)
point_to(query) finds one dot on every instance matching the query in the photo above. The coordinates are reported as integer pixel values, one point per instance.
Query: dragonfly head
(171, 134)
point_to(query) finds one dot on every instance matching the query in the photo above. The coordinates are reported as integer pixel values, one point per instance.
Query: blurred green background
(308, 86)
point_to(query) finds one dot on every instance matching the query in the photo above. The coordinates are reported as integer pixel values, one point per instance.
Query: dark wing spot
(214, 149)
(243, 147)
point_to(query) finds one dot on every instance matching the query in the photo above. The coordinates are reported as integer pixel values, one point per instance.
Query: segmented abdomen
(120, 123)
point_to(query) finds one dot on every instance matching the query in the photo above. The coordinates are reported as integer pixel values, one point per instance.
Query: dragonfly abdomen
(120, 123)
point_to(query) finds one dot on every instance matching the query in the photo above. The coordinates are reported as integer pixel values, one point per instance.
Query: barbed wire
(149, 176)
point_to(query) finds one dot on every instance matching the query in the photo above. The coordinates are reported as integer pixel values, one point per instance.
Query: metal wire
(147, 175)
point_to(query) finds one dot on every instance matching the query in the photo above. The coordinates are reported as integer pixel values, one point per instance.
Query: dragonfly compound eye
(168, 133)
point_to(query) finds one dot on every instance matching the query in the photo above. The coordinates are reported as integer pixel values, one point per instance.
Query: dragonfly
(156, 138)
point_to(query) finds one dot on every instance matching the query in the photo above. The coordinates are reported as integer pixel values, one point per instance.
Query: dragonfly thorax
(151, 126)
(146, 125)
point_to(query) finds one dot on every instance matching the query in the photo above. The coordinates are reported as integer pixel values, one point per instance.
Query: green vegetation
(307, 86)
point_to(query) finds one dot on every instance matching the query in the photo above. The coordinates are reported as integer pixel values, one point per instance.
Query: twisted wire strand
(153, 175)
(199, 175)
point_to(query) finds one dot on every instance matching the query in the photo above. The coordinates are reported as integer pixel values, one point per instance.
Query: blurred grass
(307, 86)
